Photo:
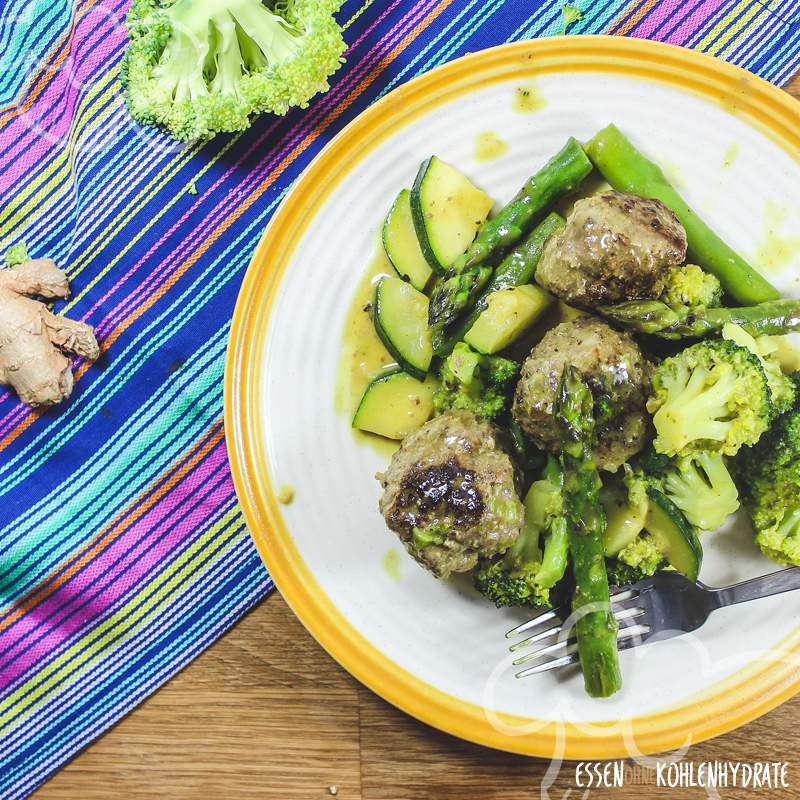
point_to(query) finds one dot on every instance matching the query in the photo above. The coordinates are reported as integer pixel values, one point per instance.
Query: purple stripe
(154, 526)
(336, 97)
(56, 106)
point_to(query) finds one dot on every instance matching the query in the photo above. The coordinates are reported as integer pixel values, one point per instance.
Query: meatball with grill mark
(451, 495)
(615, 369)
(614, 247)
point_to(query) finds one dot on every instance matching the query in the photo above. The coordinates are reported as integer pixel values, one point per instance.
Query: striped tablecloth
(122, 551)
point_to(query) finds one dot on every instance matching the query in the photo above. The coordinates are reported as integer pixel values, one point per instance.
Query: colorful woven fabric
(122, 551)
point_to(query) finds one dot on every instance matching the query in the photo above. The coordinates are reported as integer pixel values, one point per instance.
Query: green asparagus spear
(682, 322)
(516, 269)
(596, 630)
(627, 170)
(467, 276)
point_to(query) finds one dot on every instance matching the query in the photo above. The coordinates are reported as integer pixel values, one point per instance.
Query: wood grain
(266, 713)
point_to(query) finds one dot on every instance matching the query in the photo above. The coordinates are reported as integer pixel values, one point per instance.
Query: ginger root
(32, 337)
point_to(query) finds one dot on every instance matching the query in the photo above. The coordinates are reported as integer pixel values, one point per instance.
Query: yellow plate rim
(727, 704)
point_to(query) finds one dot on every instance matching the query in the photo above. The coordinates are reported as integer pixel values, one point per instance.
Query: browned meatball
(614, 247)
(450, 493)
(617, 373)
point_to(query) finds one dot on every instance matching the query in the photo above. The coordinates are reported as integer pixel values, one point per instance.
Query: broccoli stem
(516, 269)
(771, 318)
(628, 170)
(556, 548)
(596, 629)
(467, 276)
(554, 558)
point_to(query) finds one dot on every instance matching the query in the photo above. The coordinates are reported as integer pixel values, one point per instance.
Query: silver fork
(666, 605)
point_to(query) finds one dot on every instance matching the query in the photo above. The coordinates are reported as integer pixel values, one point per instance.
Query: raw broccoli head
(703, 489)
(690, 285)
(523, 576)
(768, 476)
(781, 387)
(201, 67)
(711, 397)
(475, 382)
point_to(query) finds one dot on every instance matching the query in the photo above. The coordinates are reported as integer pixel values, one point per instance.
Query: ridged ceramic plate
(730, 142)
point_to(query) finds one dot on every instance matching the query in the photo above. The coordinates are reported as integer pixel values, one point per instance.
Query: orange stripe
(634, 20)
(28, 420)
(41, 80)
(121, 523)
(236, 214)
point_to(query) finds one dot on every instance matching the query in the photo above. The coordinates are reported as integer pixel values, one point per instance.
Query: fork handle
(775, 583)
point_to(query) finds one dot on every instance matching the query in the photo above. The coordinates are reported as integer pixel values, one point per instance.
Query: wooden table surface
(266, 713)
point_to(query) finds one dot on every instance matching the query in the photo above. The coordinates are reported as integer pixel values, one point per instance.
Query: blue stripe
(98, 698)
(233, 532)
(51, 20)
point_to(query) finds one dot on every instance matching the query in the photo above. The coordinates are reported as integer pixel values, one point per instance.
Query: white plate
(728, 142)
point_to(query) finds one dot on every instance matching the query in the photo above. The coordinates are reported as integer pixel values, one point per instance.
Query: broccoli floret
(781, 542)
(711, 397)
(637, 483)
(524, 575)
(643, 554)
(768, 476)
(499, 372)
(653, 464)
(506, 586)
(781, 386)
(475, 382)
(703, 489)
(200, 68)
(783, 349)
(621, 574)
(690, 285)
(17, 254)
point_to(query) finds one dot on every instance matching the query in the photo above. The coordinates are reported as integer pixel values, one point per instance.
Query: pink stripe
(698, 17)
(336, 97)
(647, 27)
(156, 529)
(52, 116)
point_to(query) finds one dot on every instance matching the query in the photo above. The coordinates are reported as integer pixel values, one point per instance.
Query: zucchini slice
(624, 520)
(400, 313)
(447, 210)
(509, 314)
(401, 244)
(674, 535)
(395, 404)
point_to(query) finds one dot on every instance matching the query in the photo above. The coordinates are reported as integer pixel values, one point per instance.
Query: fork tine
(571, 657)
(546, 616)
(627, 638)
(543, 651)
(622, 597)
(629, 612)
(623, 616)
(553, 630)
